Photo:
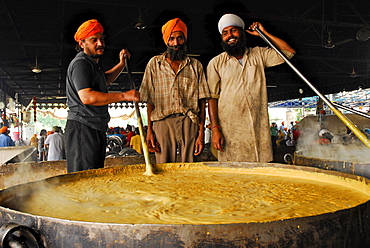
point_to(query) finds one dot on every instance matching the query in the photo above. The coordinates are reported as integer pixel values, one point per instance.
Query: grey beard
(177, 55)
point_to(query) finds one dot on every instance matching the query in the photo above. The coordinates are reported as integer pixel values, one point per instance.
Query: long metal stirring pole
(148, 165)
(351, 110)
(339, 114)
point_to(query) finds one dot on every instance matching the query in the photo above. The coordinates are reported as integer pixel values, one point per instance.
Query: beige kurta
(242, 103)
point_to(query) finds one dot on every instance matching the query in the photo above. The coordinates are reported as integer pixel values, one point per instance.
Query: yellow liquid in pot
(197, 195)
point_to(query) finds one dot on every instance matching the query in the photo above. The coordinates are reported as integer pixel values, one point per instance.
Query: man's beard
(177, 55)
(236, 49)
(96, 56)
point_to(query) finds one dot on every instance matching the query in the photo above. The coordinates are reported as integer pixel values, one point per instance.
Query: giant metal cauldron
(351, 167)
(344, 228)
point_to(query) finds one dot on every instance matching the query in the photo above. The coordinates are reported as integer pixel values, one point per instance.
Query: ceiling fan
(353, 74)
(36, 69)
(358, 74)
(329, 43)
(141, 24)
(48, 65)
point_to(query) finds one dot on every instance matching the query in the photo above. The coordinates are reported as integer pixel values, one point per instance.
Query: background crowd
(284, 136)
(130, 136)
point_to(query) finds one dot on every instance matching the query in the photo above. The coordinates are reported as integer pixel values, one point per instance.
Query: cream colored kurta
(242, 103)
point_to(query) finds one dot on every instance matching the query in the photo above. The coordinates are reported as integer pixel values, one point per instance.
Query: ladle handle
(339, 114)
(148, 165)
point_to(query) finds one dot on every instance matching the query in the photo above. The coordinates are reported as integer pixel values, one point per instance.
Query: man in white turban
(238, 105)
(230, 20)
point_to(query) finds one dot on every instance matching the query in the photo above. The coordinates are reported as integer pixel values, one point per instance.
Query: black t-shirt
(83, 72)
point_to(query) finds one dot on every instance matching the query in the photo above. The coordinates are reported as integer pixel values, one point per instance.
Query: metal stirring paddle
(148, 165)
(339, 114)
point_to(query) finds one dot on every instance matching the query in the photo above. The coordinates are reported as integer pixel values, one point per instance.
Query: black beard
(177, 55)
(96, 56)
(236, 49)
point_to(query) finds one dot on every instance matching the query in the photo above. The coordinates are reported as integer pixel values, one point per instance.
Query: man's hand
(132, 95)
(217, 139)
(124, 53)
(281, 44)
(153, 145)
(199, 144)
(253, 27)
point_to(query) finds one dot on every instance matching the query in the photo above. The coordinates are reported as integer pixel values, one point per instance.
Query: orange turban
(87, 29)
(173, 26)
(3, 129)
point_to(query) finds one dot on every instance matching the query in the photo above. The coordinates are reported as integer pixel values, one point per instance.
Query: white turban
(229, 20)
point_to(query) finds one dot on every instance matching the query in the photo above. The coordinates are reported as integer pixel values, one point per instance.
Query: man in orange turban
(174, 88)
(88, 29)
(174, 25)
(5, 139)
(4, 129)
(88, 99)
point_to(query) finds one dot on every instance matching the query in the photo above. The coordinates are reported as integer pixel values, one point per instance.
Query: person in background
(325, 136)
(237, 82)
(34, 141)
(350, 137)
(289, 141)
(288, 133)
(5, 139)
(41, 145)
(296, 133)
(273, 133)
(175, 89)
(56, 145)
(280, 138)
(88, 99)
(320, 109)
(282, 126)
(291, 125)
(117, 132)
(129, 135)
(135, 142)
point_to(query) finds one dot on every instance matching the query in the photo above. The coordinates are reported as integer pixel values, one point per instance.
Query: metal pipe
(361, 136)
(351, 110)
(148, 165)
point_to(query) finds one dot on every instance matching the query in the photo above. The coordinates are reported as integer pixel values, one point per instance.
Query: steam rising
(343, 147)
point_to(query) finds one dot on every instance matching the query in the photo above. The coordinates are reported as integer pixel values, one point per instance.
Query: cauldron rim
(329, 229)
(91, 223)
(216, 164)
